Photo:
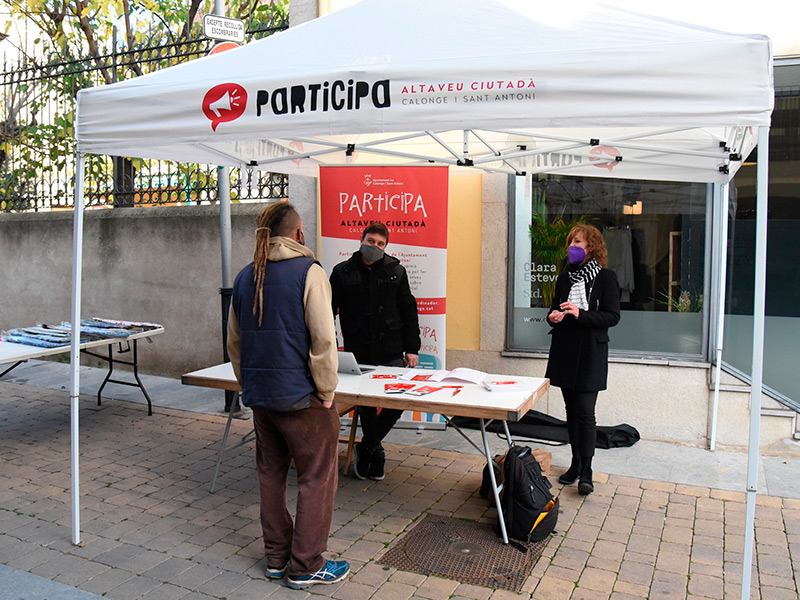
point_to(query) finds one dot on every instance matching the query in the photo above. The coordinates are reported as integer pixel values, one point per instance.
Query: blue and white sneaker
(276, 573)
(333, 571)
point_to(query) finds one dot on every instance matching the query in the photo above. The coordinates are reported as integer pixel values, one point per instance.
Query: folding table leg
(495, 490)
(14, 366)
(348, 459)
(138, 380)
(111, 360)
(222, 444)
(223, 448)
(508, 434)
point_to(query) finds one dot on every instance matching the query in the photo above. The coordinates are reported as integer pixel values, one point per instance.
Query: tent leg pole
(224, 200)
(74, 354)
(758, 355)
(722, 270)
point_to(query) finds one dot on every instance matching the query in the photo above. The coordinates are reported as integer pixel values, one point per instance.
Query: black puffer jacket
(377, 311)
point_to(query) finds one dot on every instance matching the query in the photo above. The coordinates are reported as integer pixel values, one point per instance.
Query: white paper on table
(460, 373)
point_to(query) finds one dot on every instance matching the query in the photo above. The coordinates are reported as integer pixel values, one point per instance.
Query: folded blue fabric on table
(55, 336)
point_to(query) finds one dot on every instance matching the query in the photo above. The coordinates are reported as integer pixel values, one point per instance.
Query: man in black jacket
(380, 326)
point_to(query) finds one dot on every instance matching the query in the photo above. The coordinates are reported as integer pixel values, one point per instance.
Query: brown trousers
(310, 437)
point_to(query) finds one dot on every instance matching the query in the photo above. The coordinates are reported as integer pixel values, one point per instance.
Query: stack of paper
(459, 374)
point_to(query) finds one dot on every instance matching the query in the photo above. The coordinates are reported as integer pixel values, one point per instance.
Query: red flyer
(397, 388)
(421, 377)
(425, 389)
(383, 376)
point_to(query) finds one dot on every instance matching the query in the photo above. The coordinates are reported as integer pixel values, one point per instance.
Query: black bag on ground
(530, 511)
(619, 436)
(553, 431)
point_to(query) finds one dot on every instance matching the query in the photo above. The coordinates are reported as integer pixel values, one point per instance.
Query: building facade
(663, 238)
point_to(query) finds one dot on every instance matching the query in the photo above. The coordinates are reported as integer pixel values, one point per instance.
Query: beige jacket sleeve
(233, 344)
(323, 359)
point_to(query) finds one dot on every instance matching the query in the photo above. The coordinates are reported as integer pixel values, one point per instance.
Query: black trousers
(376, 425)
(581, 423)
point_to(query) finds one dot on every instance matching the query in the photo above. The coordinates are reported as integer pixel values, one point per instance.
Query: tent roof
(501, 84)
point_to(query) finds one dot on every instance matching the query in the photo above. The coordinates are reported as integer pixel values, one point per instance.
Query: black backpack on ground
(530, 511)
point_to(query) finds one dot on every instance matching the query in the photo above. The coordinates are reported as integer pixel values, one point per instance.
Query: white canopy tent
(510, 74)
(502, 85)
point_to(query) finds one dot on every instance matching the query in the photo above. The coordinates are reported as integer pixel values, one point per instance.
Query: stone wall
(163, 265)
(152, 264)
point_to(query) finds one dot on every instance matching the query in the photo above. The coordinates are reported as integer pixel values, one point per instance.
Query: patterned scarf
(579, 278)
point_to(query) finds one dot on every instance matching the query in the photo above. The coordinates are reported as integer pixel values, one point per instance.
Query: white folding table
(472, 400)
(17, 354)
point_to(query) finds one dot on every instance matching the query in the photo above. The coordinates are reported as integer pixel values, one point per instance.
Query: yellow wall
(464, 262)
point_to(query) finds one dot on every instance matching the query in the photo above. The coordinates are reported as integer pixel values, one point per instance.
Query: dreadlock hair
(280, 219)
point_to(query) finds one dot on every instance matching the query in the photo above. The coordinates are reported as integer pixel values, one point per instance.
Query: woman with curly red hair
(585, 305)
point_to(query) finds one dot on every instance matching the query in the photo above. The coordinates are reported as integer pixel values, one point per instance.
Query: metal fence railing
(37, 150)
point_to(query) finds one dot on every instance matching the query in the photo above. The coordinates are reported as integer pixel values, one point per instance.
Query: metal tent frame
(691, 118)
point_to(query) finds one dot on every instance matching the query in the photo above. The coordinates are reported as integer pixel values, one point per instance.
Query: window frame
(519, 188)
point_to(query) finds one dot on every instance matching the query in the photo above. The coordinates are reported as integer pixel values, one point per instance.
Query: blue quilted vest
(274, 357)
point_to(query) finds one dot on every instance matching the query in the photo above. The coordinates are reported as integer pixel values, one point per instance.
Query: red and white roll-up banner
(412, 203)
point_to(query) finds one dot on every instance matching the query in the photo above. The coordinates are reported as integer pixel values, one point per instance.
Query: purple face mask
(576, 255)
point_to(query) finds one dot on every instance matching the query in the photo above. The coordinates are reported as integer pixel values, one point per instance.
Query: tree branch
(88, 32)
(136, 68)
(193, 8)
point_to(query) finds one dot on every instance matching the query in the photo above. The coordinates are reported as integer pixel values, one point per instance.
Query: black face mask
(371, 253)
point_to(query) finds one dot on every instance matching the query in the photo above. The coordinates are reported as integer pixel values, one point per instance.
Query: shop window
(782, 323)
(656, 237)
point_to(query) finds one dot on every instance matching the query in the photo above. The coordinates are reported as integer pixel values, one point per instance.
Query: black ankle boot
(571, 475)
(585, 485)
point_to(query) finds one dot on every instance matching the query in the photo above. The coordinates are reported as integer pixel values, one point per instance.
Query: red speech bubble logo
(607, 157)
(296, 148)
(223, 103)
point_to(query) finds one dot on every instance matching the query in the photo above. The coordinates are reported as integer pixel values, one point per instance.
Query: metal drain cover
(463, 551)
(467, 549)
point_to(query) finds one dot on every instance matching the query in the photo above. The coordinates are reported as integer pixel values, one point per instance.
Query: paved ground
(152, 530)
(778, 475)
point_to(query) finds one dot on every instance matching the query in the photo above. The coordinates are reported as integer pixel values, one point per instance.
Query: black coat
(579, 347)
(377, 312)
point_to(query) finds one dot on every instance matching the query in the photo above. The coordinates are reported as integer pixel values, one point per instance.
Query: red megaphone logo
(605, 157)
(223, 103)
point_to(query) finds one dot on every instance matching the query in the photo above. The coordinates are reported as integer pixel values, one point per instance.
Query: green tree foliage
(549, 240)
(81, 43)
(77, 28)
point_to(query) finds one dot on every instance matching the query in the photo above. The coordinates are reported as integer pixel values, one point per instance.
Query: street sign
(223, 28)
(222, 46)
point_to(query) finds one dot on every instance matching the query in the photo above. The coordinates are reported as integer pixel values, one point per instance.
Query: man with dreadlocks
(282, 345)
